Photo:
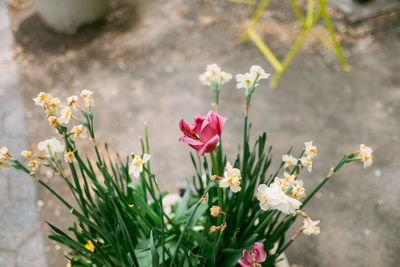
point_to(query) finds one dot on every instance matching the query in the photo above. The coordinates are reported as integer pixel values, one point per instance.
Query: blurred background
(142, 60)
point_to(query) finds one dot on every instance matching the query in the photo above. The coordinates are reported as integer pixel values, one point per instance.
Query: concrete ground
(143, 64)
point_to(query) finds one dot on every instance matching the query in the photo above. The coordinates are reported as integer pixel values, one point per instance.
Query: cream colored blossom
(366, 155)
(247, 79)
(244, 80)
(34, 165)
(136, 166)
(69, 156)
(4, 154)
(311, 227)
(310, 150)
(42, 99)
(298, 190)
(72, 101)
(214, 74)
(257, 70)
(282, 183)
(289, 160)
(53, 102)
(66, 114)
(289, 177)
(272, 197)
(87, 96)
(79, 131)
(169, 201)
(53, 121)
(307, 162)
(232, 178)
(26, 153)
(52, 145)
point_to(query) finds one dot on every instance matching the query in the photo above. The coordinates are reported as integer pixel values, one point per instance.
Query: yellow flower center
(138, 162)
(265, 199)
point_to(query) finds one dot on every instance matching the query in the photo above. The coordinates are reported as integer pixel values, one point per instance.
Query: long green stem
(316, 189)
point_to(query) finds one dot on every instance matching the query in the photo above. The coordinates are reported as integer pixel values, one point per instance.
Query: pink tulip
(257, 255)
(205, 133)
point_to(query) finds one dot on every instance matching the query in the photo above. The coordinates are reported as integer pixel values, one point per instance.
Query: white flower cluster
(247, 79)
(213, 75)
(52, 106)
(272, 197)
(297, 191)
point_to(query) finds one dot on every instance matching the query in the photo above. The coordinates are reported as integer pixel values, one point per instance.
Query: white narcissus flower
(214, 74)
(244, 80)
(42, 99)
(72, 101)
(273, 197)
(366, 155)
(26, 153)
(66, 114)
(69, 156)
(34, 165)
(311, 227)
(298, 190)
(289, 177)
(54, 102)
(53, 121)
(310, 150)
(307, 162)
(232, 178)
(257, 70)
(282, 183)
(87, 96)
(136, 166)
(248, 78)
(289, 160)
(52, 145)
(169, 201)
(79, 131)
(4, 154)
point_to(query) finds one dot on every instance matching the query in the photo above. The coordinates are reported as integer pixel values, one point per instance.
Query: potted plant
(237, 210)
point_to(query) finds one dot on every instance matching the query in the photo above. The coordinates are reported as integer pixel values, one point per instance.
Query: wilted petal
(259, 252)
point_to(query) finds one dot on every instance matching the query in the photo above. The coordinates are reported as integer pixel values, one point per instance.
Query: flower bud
(214, 229)
(215, 211)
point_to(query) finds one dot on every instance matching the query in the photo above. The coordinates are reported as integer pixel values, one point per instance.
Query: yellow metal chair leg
(336, 44)
(256, 17)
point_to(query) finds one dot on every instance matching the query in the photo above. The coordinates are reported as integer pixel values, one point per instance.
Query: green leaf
(154, 253)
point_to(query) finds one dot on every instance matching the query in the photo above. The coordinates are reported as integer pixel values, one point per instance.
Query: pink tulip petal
(190, 141)
(198, 122)
(247, 256)
(218, 121)
(245, 263)
(209, 146)
(259, 252)
(186, 129)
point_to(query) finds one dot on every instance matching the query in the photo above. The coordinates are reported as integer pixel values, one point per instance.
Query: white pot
(284, 262)
(65, 16)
